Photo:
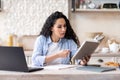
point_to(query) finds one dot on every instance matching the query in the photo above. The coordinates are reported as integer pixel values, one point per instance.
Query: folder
(96, 69)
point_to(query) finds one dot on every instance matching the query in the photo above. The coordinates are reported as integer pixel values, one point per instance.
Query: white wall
(92, 21)
(26, 17)
(106, 22)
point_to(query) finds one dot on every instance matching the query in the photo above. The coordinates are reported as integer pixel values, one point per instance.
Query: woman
(56, 43)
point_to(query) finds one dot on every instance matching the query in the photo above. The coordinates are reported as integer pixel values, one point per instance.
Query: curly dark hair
(46, 29)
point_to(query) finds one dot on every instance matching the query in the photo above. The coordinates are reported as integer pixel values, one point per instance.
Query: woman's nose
(63, 29)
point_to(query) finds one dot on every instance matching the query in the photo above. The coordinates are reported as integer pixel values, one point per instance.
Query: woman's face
(59, 28)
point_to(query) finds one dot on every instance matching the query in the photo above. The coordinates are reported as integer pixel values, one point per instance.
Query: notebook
(95, 69)
(86, 48)
(13, 59)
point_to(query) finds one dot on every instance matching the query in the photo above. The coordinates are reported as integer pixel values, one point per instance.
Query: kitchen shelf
(96, 10)
(106, 54)
(75, 8)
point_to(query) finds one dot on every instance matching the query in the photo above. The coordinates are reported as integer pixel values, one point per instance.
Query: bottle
(10, 40)
(77, 3)
(81, 4)
(84, 4)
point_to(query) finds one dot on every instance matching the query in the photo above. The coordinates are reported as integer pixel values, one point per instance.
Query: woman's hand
(85, 60)
(63, 53)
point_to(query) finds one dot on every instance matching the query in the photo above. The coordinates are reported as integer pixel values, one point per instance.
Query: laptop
(13, 59)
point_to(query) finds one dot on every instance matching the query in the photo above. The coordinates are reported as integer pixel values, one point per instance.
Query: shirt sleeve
(38, 57)
(73, 47)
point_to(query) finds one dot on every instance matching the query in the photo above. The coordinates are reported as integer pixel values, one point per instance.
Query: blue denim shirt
(41, 47)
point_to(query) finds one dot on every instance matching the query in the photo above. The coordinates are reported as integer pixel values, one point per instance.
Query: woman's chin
(61, 36)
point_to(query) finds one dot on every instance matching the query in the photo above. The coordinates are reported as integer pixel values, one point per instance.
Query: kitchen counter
(64, 74)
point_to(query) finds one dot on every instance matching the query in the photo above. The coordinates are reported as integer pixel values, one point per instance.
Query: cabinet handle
(100, 60)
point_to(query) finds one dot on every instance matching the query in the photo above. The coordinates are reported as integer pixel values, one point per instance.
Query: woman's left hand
(85, 60)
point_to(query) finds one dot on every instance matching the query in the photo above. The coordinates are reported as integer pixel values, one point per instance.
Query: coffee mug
(114, 47)
(105, 50)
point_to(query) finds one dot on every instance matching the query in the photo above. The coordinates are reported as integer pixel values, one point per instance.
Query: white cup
(105, 50)
(114, 47)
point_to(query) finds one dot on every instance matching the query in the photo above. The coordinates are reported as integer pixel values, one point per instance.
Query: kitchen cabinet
(102, 58)
(94, 6)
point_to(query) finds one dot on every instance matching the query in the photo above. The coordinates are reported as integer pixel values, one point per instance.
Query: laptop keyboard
(34, 69)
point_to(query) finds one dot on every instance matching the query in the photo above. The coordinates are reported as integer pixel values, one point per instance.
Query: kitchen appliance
(109, 5)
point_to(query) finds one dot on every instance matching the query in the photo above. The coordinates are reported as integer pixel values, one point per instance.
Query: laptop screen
(13, 59)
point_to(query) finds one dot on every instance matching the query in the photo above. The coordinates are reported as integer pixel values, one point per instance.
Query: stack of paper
(59, 67)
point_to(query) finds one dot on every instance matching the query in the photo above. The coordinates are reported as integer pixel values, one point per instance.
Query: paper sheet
(59, 67)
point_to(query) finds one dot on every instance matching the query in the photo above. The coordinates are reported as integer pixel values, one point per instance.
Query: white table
(65, 74)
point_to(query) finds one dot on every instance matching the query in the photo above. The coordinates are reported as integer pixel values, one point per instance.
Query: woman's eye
(65, 26)
(59, 26)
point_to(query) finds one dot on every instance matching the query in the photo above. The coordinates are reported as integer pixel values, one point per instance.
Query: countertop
(64, 74)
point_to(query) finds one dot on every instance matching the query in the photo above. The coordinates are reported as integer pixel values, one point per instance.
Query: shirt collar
(50, 41)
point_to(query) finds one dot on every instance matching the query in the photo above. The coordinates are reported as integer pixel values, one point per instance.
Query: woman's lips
(62, 33)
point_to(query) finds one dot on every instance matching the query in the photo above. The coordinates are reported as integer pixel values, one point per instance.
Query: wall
(26, 17)
(106, 22)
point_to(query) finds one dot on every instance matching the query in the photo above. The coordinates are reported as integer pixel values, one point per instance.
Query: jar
(19, 41)
(10, 40)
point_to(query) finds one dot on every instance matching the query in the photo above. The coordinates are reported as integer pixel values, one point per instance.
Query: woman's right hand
(63, 53)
